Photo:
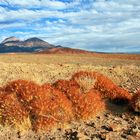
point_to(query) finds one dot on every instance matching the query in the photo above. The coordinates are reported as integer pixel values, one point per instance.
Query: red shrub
(25, 90)
(49, 105)
(90, 105)
(69, 88)
(135, 102)
(2, 94)
(101, 83)
(12, 112)
(65, 85)
(52, 103)
(43, 123)
(46, 86)
(86, 104)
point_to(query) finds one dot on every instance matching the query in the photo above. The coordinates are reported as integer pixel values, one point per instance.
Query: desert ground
(116, 123)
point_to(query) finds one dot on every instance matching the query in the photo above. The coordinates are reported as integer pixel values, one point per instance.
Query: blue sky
(97, 25)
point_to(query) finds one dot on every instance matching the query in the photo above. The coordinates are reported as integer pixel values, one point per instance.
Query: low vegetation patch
(25, 104)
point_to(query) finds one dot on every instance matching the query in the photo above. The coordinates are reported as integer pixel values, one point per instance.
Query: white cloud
(103, 25)
(12, 25)
(52, 4)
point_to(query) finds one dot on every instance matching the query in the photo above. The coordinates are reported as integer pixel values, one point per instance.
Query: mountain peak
(34, 39)
(34, 44)
(10, 39)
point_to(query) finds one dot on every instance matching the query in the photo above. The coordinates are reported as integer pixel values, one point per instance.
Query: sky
(95, 25)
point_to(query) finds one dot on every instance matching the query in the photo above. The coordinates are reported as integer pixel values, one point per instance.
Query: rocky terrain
(118, 122)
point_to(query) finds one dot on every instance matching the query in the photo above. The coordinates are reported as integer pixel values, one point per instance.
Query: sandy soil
(117, 123)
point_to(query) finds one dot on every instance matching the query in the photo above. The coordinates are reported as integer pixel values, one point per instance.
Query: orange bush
(46, 86)
(135, 102)
(51, 103)
(48, 105)
(101, 83)
(12, 112)
(85, 104)
(44, 124)
(89, 105)
(86, 80)
(69, 87)
(2, 94)
(72, 90)
(25, 90)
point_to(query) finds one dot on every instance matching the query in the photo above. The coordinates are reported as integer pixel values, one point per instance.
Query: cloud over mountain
(99, 25)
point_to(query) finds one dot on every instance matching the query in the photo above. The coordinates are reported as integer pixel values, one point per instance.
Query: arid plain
(117, 123)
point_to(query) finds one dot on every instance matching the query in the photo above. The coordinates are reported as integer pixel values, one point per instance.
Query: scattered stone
(71, 135)
(108, 128)
(114, 136)
(91, 124)
(132, 138)
(116, 127)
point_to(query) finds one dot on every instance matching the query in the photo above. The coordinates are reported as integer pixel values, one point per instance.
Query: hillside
(15, 45)
(64, 50)
(38, 46)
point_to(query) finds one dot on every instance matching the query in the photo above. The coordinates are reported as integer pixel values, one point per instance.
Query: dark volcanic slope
(35, 45)
(13, 45)
(35, 42)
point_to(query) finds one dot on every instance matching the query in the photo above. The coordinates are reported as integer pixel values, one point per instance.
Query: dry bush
(85, 80)
(46, 86)
(48, 105)
(135, 102)
(13, 113)
(101, 83)
(43, 124)
(25, 90)
(51, 104)
(72, 90)
(2, 94)
(86, 104)
(69, 87)
(89, 105)
(40, 101)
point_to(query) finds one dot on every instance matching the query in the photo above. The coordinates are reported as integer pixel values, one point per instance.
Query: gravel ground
(116, 123)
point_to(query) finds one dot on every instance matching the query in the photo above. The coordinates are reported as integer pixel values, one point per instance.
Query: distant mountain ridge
(37, 45)
(13, 45)
(34, 45)
(32, 42)
(10, 39)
